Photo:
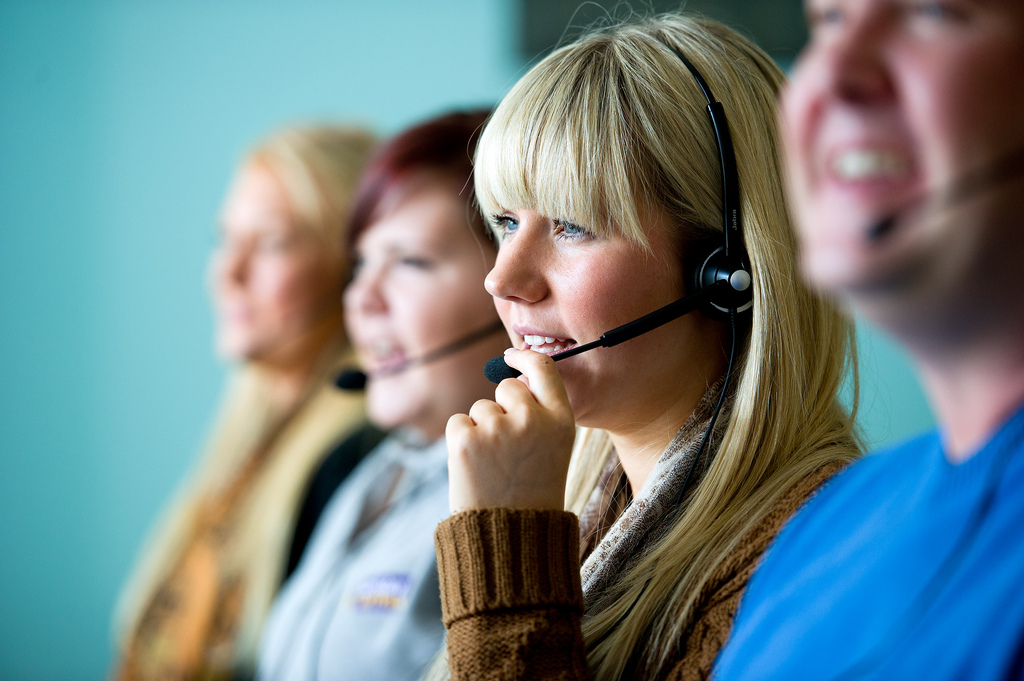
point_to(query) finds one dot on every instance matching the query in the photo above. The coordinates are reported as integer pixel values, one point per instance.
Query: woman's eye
(274, 243)
(357, 265)
(936, 11)
(570, 230)
(505, 224)
(416, 262)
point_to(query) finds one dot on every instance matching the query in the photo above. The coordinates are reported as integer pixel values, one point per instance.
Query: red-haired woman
(364, 602)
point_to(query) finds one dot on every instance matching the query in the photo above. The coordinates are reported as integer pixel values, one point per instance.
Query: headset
(728, 262)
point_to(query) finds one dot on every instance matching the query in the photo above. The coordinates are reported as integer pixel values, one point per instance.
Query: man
(905, 152)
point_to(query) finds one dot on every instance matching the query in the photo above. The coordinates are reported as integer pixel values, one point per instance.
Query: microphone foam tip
(497, 371)
(350, 379)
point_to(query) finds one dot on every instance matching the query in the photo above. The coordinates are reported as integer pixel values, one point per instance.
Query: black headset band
(727, 163)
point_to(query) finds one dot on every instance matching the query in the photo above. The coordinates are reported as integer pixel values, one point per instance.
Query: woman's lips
(381, 355)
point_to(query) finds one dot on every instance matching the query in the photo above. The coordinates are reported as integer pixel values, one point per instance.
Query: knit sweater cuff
(500, 559)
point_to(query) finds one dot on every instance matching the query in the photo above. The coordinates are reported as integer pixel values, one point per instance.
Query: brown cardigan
(512, 600)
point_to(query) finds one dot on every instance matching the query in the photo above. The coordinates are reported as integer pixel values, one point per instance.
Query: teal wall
(892, 405)
(120, 123)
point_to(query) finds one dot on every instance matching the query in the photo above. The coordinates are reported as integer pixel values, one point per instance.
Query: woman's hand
(513, 452)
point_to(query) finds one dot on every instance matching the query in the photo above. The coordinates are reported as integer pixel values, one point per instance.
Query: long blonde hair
(613, 126)
(319, 167)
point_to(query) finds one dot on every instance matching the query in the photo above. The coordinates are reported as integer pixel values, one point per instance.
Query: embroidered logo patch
(382, 592)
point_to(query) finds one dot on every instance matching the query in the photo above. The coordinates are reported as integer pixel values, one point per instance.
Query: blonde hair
(319, 168)
(603, 131)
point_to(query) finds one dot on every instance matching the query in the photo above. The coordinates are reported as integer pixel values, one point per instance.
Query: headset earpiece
(738, 295)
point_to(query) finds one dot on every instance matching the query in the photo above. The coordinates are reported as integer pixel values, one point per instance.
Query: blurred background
(120, 125)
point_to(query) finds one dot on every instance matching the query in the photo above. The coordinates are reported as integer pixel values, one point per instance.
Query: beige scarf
(615, 525)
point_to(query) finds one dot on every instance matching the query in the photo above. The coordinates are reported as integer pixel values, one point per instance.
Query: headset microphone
(497, 370)
(353, 379)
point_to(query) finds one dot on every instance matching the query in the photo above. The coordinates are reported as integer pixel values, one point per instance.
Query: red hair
(441, 148)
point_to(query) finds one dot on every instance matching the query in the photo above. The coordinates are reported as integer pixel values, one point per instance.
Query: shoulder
(864, 484)
(732, 574)
(836, 509)
(720, 596)
(892, 462)
(343, 458)
(338, 466)
(333, 471)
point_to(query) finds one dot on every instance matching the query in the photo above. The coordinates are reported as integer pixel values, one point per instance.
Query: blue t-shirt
(905, 566)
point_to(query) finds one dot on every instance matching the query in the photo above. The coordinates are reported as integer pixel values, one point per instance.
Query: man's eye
(827, 16)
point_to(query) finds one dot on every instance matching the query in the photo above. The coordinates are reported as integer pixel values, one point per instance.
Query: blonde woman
(196, 603)
(600, 172)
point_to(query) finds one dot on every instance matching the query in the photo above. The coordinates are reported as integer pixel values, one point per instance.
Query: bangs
(305, 192)
(560, 144)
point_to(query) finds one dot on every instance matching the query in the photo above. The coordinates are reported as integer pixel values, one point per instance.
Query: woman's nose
(364, 294)
(235, 263)
(518, 271)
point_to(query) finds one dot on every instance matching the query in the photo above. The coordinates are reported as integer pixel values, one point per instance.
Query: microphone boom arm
(649, 322)
(497, 370)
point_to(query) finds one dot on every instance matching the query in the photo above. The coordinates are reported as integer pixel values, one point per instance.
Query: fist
(513, 452)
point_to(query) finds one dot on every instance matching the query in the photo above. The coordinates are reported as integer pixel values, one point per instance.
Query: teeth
(547, 349)
(382, 348)
(863, 164)
(546, 345)
(530, 339)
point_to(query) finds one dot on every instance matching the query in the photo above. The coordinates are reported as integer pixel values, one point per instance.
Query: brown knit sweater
(512, 600)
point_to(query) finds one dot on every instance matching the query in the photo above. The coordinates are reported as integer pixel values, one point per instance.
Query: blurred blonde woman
(600, 172)
(196, 603)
